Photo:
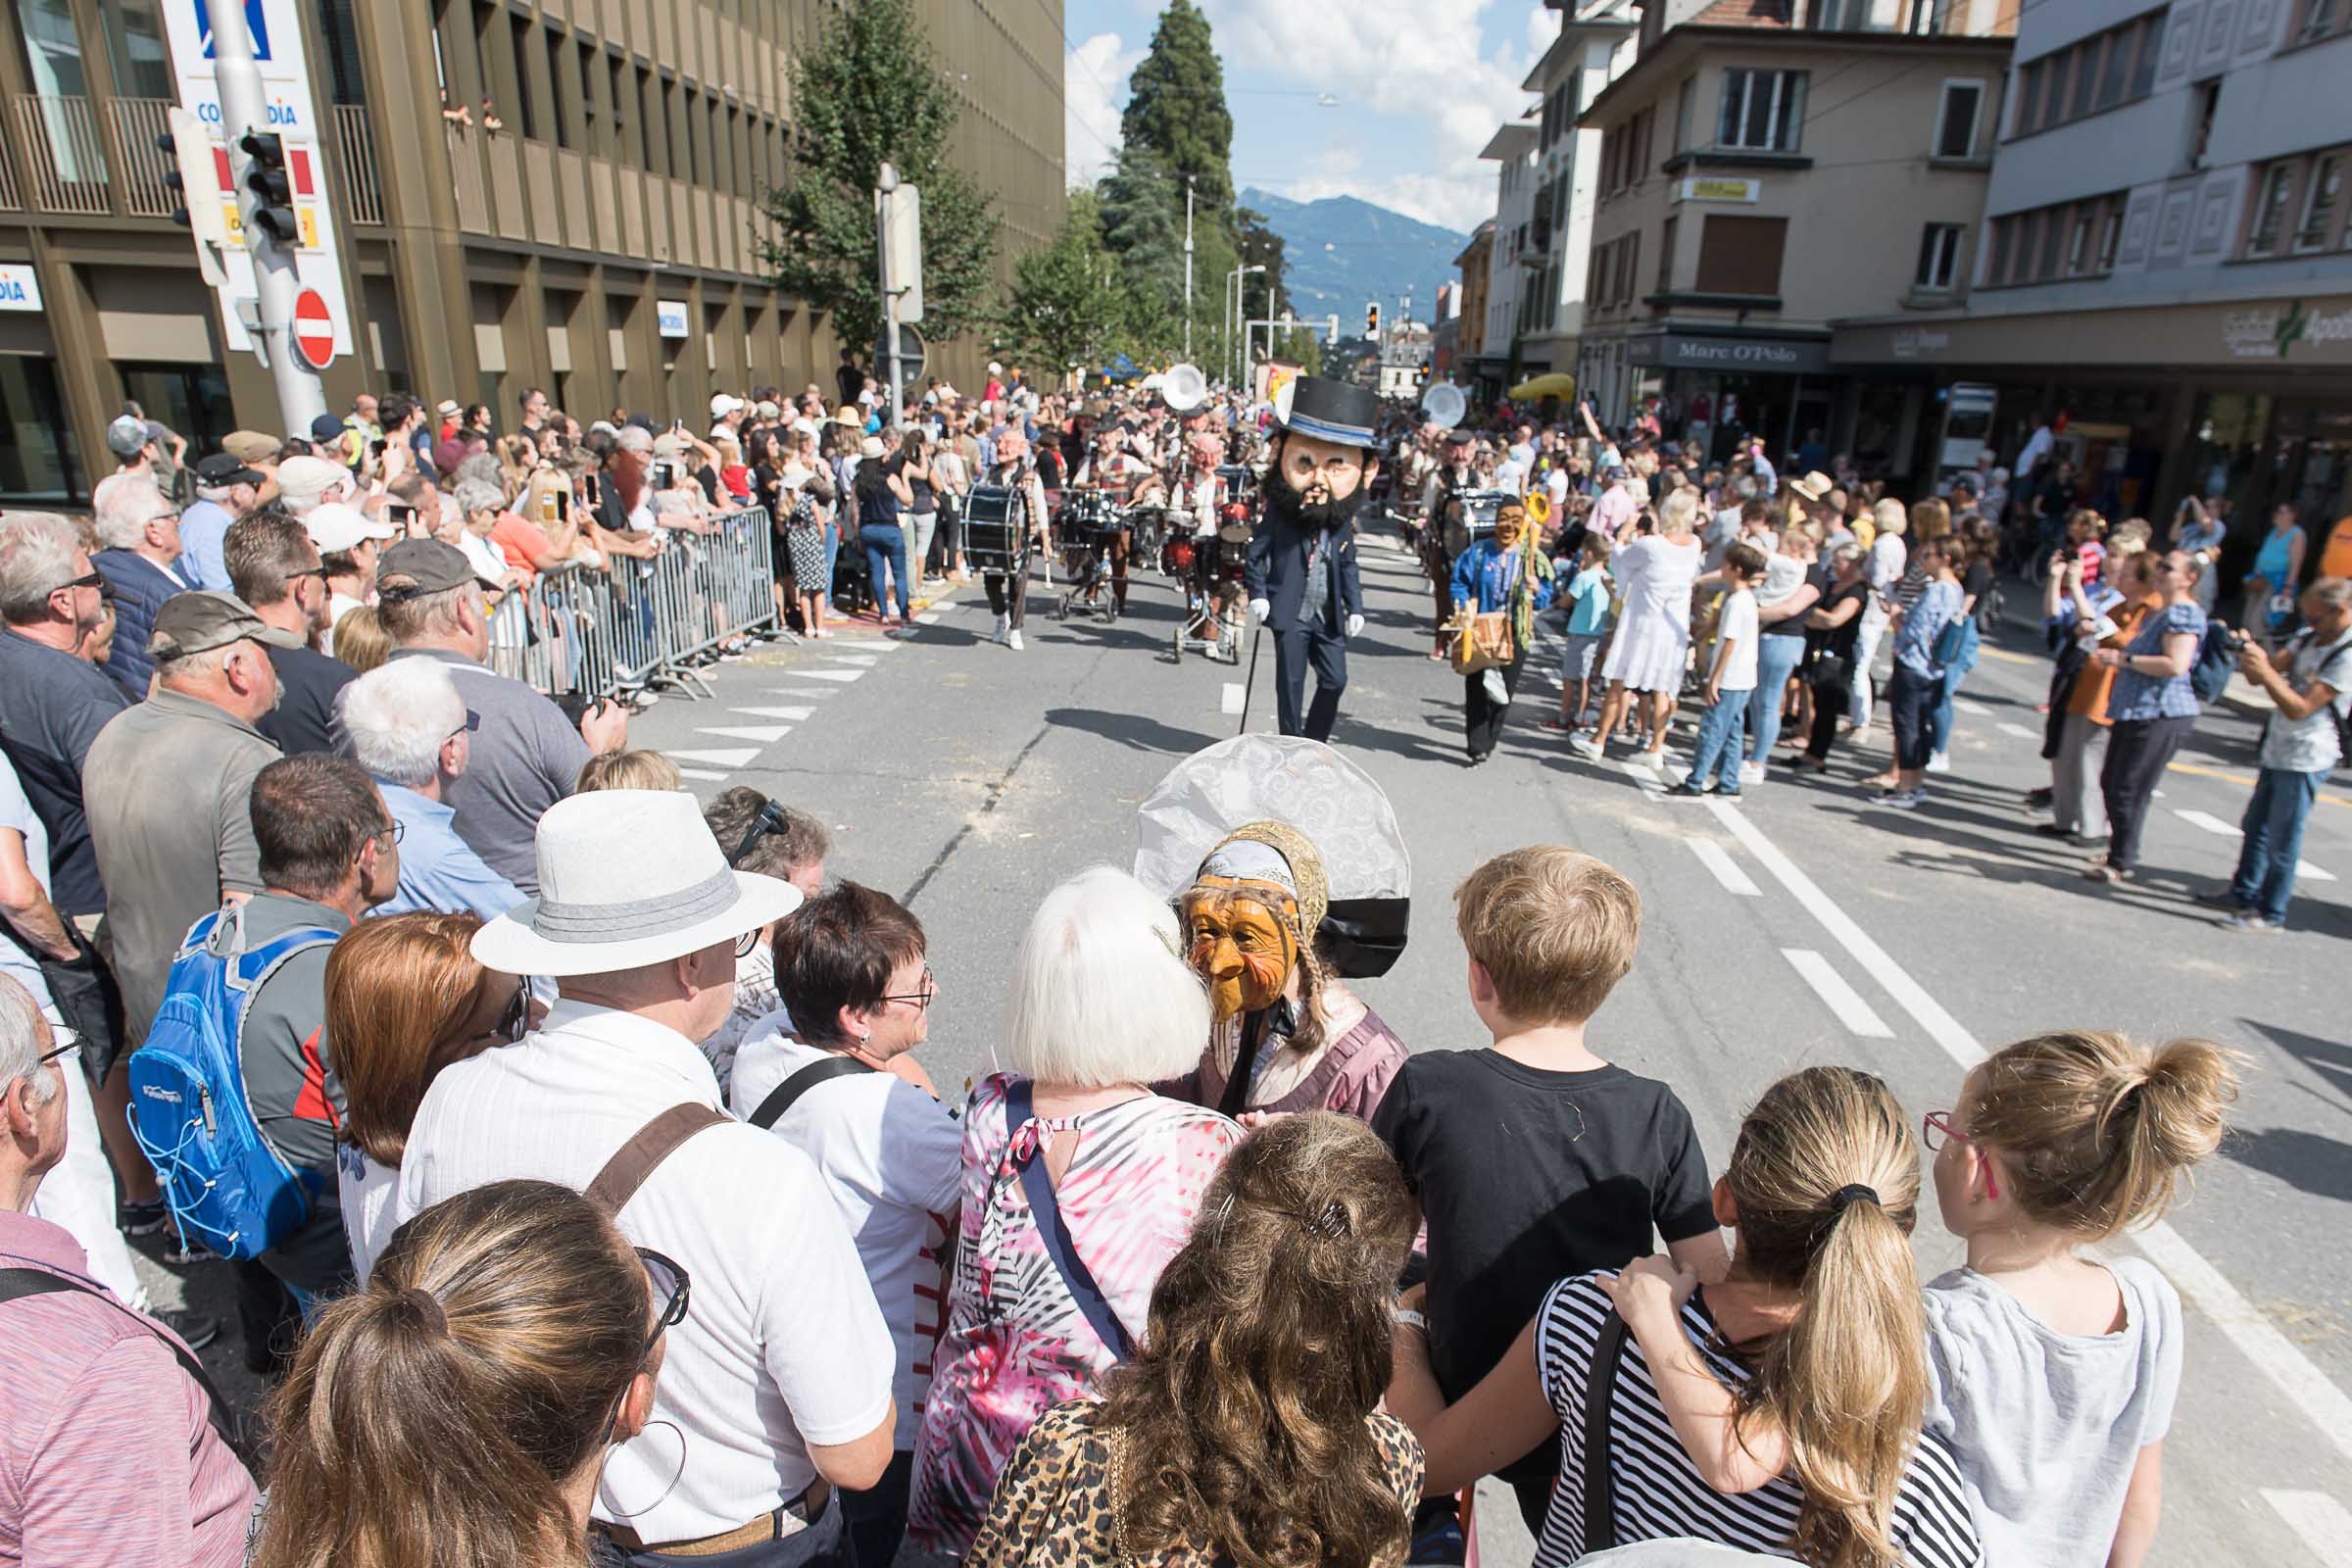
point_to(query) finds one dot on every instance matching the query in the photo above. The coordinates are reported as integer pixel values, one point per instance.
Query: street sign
(911, 355)
(902, 238)
(314, 330)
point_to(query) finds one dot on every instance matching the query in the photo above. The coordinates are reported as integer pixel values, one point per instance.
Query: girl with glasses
(459, 1408)
(404, 999)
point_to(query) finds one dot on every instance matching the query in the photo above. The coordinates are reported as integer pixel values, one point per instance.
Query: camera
(665, 474)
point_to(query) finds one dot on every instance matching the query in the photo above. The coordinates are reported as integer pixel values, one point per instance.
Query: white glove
(1356, 625)
(1259, 609)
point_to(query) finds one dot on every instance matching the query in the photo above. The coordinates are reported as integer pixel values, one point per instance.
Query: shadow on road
(2309, 1161)
(1131, 730)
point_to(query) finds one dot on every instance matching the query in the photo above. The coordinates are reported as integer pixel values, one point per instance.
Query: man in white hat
(307, 483)
(348, 542)
(778, 1381)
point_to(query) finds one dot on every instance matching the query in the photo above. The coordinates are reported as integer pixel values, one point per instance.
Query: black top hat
(1338, 411)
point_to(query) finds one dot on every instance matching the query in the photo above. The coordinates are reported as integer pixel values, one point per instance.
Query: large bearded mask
(1320, 483)
(1250, 918)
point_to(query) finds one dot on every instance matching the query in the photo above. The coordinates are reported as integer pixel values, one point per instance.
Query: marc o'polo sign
(1683, 351)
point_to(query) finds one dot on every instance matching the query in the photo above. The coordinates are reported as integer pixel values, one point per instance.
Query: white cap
(303, 478)
(994, 369)
(334, 526)
(723, 404)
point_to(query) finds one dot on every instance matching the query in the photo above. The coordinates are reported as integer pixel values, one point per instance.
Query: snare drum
(995, 539)
(1176, 558)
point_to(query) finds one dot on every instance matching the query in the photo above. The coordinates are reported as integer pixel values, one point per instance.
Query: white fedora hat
(627, 878)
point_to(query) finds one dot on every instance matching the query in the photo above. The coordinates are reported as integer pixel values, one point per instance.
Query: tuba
(1444, 404)
(1184, 388)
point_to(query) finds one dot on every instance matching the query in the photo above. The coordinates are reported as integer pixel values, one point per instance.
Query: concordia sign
(2268, 331)
(278, 49)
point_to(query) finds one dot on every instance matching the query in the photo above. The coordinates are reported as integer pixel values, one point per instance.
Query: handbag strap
(1038, 1186)
(1601, 1394)
(780, 1099)
(654, 1143)
(18, 1283)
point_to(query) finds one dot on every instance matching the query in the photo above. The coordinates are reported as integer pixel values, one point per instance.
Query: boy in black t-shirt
(1535, 1160)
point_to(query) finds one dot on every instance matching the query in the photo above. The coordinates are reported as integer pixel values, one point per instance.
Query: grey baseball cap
(126, 436)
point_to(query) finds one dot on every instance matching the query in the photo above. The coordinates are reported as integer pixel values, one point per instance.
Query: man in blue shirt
(411, 730)
(225, 490)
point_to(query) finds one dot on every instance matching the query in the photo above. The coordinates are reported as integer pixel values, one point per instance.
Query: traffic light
(266, 177)
(1372, 320)
(175, 180)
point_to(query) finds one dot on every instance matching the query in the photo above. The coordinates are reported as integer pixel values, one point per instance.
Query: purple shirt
(107, 1449)
(1615, 509)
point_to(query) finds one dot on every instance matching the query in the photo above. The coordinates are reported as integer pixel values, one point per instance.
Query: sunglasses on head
(771, 819)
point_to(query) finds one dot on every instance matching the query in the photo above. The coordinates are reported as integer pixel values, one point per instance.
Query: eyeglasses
(920, 1001)
(93, 581)
(60, 1053)
(395, 831)
(771, 819)
(293, 577)
(1937, 1126)
(747, 943)
(670, 1290)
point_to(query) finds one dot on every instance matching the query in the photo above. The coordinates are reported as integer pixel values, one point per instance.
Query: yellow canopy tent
(1551, 384)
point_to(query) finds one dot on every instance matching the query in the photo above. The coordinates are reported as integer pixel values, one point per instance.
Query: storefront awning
(2252, 334)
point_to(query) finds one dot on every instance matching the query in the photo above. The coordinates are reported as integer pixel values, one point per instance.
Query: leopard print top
(1055, 1504)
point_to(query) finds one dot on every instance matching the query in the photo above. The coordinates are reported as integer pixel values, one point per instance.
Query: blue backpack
(2216, 662)
(224, 1184)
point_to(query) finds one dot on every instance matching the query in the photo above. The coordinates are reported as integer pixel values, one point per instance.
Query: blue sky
(1419, 86)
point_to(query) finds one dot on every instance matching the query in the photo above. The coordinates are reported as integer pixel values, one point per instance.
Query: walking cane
(1249, 681)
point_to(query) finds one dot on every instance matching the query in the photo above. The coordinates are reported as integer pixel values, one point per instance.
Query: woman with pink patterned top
(1045, 1302)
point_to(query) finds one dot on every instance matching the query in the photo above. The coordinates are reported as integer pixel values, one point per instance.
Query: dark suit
(140, 588)
(1305, 634)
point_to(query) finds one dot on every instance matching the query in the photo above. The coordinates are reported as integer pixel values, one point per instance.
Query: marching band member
(1008, 593)
(1109, 467)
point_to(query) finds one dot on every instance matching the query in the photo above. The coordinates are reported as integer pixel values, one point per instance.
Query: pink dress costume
(1016, 1344)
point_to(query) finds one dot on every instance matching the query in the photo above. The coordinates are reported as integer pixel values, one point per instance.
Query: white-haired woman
(1045, 1304)
(1652, 640)
(1883, 572)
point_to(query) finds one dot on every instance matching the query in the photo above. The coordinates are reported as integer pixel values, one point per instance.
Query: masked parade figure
(1276, 925)
(1302, 580)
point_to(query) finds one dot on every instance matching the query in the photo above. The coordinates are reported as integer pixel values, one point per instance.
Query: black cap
(223, 469)
(410, 568)
(326, 427)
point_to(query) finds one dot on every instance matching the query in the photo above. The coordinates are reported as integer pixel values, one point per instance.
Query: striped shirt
(1659, 1494)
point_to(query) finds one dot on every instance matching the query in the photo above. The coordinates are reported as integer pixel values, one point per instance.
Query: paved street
(1803, 926)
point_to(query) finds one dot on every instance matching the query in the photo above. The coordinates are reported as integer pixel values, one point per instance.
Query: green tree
(867, 94)
(1260, 246)
(1066, 306)
(1176, 110)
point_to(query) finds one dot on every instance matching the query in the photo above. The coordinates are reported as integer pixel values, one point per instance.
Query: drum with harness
(1085, 528)
(996, 530)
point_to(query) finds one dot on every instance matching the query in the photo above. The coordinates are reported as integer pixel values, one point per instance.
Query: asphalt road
(1804, 925)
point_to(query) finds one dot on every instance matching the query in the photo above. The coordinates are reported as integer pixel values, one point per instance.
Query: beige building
(562, 194)
(1759, 178)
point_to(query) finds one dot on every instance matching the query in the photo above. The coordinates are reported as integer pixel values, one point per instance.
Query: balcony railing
(137, 122)
(362, 187)
(10, 202)
(65, 154)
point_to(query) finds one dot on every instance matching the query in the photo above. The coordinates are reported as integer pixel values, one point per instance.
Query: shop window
(1740, 255)
(191, 399)
(2323, 199)
(1938, 257)
(39, 464)
(2269, 210)
(1956, 119)
(1763, 110)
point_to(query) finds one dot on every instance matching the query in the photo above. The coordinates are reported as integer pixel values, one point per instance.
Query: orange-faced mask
(1240, 939)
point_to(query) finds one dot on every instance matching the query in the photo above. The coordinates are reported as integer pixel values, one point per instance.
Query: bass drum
(994, 538)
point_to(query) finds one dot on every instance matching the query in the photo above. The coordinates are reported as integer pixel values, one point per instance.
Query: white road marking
(1229, 701)
(1842, 999)
(2311, 873)
(875, 648)
(2205, 820)
(793, 714)
(701, 774)
(2017, 730)
(724, 757)
(929, 618)
(854, 660)
(1972, 709)
(830, 675)
(800, 691)
(2318, 1519)
(1716, 858)
(764, 734)
(1642, 774)
(2327, 1407)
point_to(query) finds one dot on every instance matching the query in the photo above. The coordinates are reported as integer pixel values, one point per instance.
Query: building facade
(1596, 45)
(1511, 150)
(1474, 264)
(1760, 177)
(2167, 272)
(563, 194)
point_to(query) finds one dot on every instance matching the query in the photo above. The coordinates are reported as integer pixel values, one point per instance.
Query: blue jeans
(1776, 661)
(886, 545)
(2274, 830)
(832, 553)
(1719, 733)
(1939, 718)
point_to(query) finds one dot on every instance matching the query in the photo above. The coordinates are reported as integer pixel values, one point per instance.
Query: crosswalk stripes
(793, 714)
(764, 734)
(724, 757)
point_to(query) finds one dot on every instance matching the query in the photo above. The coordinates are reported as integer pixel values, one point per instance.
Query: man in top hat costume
(1302, 580)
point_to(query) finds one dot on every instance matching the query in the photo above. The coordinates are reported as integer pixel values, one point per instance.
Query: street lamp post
(1237, 353)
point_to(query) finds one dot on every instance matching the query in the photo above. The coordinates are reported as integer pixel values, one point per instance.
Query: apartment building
(1511, 151)
(1596, 45)
(495, 195)
(1474, 263)
(2168, 269)
(1766, 168)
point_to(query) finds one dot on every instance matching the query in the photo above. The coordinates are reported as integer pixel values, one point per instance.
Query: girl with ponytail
(456, 1412)
(1779, 1411)
(2055, 1375)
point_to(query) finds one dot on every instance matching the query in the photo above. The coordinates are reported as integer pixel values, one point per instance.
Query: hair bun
(2185, 1090)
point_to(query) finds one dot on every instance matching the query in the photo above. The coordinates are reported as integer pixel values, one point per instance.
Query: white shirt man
(784, 1350)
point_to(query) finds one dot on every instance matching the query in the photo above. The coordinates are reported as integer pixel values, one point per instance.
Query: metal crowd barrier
(588, 633)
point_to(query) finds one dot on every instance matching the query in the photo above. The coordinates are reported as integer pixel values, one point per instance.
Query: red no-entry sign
(314, 330)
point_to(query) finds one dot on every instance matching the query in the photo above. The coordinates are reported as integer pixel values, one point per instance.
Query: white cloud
(1416, 61)
(1094, 88)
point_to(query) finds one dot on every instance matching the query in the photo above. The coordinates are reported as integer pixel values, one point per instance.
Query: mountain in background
(1343, 254)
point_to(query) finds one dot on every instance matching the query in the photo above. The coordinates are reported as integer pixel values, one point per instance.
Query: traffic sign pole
(245, 107)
